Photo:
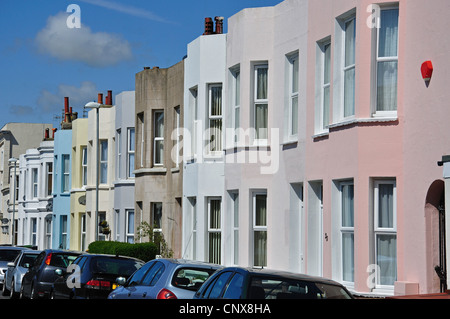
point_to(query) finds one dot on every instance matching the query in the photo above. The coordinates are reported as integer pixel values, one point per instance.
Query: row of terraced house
(305, 138)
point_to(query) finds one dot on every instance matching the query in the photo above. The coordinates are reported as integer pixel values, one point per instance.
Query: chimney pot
(109, 102)
(100, 98)
(219, 25)
(209, 26)
(47, 133)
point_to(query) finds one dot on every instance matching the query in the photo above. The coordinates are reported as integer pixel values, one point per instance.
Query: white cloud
(99, 49)
(78, 97)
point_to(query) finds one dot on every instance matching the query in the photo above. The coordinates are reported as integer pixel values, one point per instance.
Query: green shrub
(143, 251)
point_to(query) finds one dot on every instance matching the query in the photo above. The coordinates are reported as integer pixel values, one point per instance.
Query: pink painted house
(357, 189)
(375, 131)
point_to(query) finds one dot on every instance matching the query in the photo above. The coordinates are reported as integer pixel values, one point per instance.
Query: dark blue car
(38, 281)
(93, 276)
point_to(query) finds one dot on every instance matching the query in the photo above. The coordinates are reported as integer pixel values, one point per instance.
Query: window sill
(377, 119)
(153, 170)
(321, 134)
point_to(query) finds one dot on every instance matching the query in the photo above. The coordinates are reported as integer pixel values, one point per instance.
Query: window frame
(292, 65)
(103, 161)
(346, 229)
(35, 182)
(158, 138)
(378, 60)
(131, 151)
(212, 230)
(346, 68)
(257, 138)
(212, 117)
(258, 228)
(84, 165)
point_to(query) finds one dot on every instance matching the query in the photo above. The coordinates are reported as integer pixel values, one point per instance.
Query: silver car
(165, 279)
(8, 254)
(15, 271)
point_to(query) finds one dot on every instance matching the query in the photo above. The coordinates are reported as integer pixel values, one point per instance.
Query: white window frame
(347, 68)
(130, 152)
(236, 101)
(234, 214)
(49, 179)
(129, 236)
(345, 230)
(141, 125)
(84, 168)
(391, 231)
(325, 118)
(103, 179)
(83, 232)
(158, 138)
(258, 228)
(212, 230)
(119, 153)
(35, 182)
(193, 104)
(177, 131)
(376, 112)
(293, 62)
(33, 231)
(257, 139)
(212, 117)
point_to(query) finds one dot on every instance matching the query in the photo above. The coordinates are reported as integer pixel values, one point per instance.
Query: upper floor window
(349, 67)
(34, 175)
(103, 161)
(215, 118)
(326, 82)
(130, 152)
(65, 173)
(158, 138)
(49, 181)
(84, 165)
(293, 69)
(236, 100)
(260, 106)
(387, 62)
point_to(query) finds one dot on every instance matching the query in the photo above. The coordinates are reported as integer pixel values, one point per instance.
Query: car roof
(110, 255)
(47, 251)
(282, 273)
(14, 248)
(188, 262)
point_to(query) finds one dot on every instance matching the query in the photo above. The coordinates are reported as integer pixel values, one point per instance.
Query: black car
(38, 281)
(249, 283)
(94, 276)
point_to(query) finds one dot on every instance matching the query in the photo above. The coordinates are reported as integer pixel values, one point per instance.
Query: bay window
(215, 118)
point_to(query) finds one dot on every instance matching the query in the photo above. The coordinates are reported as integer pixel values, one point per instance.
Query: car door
(29, 275)
(125, 291)
(145, 289)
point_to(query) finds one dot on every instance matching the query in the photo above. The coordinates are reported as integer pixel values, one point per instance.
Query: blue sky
(42, 60)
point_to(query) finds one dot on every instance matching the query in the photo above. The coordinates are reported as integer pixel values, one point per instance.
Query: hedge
(143, 251)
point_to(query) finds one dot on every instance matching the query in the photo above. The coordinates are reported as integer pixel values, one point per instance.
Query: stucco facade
(124, 217)
(158, 173)
(15, 139)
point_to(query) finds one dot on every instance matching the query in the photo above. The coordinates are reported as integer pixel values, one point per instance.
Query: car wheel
(4, 290)
(12, 292)
(22, 294)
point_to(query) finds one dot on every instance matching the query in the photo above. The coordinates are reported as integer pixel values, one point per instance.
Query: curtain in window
(348, 255)
(347, 205)
(326, 85)
(215, 123)
(387, 68)
(103, 162)
(388, 33)
(66, 172)
(261, 83)
(386, 206)
(260, 233)
(349, 71)
(387, 258)
(261, 121)
(215, 233)
(159, 137)
(157, 215)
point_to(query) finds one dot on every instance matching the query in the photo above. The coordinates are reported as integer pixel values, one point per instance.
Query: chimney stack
(47, 134)
(219, 25)
(67, 110)
(100, 98)
(53, 132)
(109, 99)
(209, 26)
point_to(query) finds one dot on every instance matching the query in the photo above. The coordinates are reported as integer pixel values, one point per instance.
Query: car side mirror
(59, 272)
(10, 264)
(121, 281)
(27, 265)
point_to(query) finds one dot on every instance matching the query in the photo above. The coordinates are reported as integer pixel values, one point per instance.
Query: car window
(219, 284)
(8, 254)
(136, 278)
(62, 260)
(234, 288)
(114, 266)
(191, 278)
(27, 259)
(152, 276)
(279, 288)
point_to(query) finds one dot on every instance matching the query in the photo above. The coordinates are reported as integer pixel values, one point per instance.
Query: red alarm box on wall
(427, 71)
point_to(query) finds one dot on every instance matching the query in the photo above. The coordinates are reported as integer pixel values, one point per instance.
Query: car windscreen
(62, 260)
(191, 278)
(8, 254)
(27, 259)
(114, 266)
(286, 288)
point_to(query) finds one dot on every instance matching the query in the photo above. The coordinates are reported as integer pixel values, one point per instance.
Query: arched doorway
(435, 211)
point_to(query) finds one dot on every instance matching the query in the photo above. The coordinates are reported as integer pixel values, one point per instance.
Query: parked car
(38, 281)
(95, 277)
(249, 283)
(8, 254)
(16, 270)
(165, 279)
